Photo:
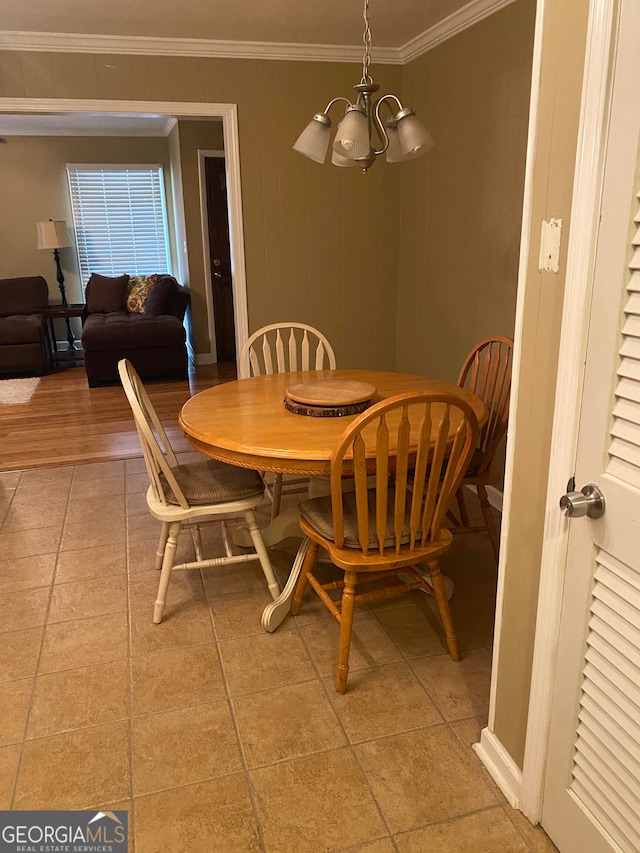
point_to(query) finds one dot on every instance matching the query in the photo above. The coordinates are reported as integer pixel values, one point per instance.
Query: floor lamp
(53, 234)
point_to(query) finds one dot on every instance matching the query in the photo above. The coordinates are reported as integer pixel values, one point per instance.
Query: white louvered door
(592, 784)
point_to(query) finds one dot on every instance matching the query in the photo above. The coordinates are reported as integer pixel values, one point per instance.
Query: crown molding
(461, 20)
(147, 46)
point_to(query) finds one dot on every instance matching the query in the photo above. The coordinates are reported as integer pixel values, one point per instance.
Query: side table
(63, 312)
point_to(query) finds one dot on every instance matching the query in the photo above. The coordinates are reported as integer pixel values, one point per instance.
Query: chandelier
(400, 134)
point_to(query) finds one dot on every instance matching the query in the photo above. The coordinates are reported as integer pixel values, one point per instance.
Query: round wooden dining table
(245, 423)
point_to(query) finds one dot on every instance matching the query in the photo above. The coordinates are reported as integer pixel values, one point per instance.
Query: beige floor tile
(30, 516)
(9, 480)
(459, 688)
(187, 624)
(141, 527)
(98, 471)
(184, 746)
(87, 563)
(31, 543)
(263, 661)
(381, 701)
(135, 465)
(24, 609)
(185, 588)
(84, 642)
(535, 836)
(9, 760)
(176, 678)
(212, 816)
(41, 495)
(370, 643)
(95, 511)
(417, 629)
(137, 483)
(45, 477)
(102, 486)
(489, 831)
(15, 699)
(238, 614)
(289, 722)
(26, 572)
(92, 597)
(421, 777)
(85, 534)
(75, 770)
(19, 651)
(317, 803)
(384, 845)
(76, 698)
(136, 504)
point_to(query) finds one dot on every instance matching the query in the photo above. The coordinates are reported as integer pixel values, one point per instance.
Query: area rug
(17, 390)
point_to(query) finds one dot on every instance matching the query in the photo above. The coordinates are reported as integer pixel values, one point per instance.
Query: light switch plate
(550, 245)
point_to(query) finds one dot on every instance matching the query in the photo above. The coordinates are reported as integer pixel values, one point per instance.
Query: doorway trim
(585, 205)
(229, 115)
(202, 156)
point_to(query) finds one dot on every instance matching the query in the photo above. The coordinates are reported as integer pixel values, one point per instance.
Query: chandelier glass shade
(362, 134)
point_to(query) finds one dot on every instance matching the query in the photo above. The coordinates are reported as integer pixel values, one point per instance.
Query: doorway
(219, 258)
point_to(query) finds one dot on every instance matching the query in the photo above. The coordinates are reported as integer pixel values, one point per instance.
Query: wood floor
(66, 422)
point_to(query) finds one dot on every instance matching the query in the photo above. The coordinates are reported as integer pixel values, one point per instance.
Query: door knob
(588, 501)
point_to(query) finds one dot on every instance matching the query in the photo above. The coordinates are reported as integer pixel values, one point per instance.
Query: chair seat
(317, 512)
(212, 482)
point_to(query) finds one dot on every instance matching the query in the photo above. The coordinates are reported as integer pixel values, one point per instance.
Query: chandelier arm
(335, 101)
(379, 124)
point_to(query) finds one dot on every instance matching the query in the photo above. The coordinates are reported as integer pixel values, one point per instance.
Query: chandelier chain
(366, 38)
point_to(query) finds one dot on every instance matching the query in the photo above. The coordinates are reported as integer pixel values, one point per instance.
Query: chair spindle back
(284, 347)
(487, 373)
(404, 442)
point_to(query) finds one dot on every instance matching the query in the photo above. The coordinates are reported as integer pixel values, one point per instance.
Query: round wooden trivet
(331, 392)
(325, 411)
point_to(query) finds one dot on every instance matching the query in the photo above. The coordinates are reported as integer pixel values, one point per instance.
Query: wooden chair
(378, 534)
(280, 348)
(192, 495)
(487, 372)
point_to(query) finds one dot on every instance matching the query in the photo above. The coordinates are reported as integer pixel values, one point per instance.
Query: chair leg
(489, 520)
(263, 554)
(462, 507)
(307, 566)
(196, 538)
(276, 496)
(346, 626)
(440, 595)
(165, 576)
(164, 533)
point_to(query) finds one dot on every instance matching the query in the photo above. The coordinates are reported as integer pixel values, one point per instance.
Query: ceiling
(308, 22)
(288, 29)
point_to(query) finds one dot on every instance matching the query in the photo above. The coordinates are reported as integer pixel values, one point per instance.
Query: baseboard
(494, 494)
(502, 768)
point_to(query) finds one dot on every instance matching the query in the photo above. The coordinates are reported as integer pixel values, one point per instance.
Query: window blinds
(119, 214)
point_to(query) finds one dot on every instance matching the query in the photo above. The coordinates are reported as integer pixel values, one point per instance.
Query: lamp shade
(339, 160)
(314, 139)
(352, 135)
(394, 154)
(413, 136)
(53, 234)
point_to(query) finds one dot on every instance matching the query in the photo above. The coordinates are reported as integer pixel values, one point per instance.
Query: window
(120, 219)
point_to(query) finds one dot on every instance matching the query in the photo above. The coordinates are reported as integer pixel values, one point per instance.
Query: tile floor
(214, 735)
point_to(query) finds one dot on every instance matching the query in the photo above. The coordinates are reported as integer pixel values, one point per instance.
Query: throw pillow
(161, 296)
(138, 292)
(106, 293)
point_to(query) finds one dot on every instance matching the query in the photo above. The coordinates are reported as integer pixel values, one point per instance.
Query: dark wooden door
(220, 259)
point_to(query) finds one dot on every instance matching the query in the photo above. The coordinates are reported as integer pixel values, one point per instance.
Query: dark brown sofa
(153, 341)
(23, 330)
